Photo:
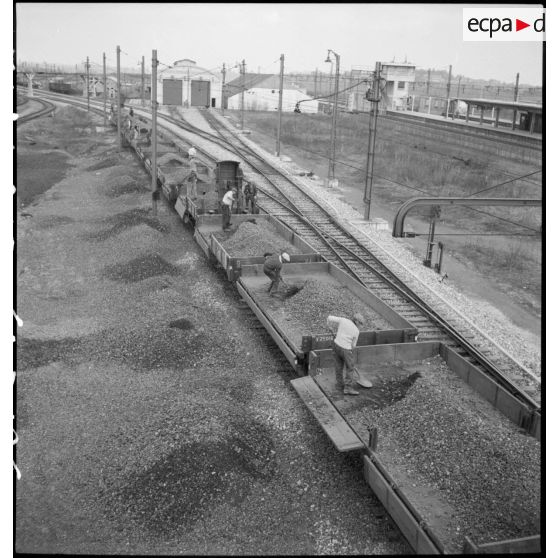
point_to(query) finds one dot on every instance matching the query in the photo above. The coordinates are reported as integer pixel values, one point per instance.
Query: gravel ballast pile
(254, 239)
(306, 312)
(140, 268)
(443, 439)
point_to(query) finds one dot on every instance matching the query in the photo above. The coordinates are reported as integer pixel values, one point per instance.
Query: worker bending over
(272, 268)
(343, 350)
(226, 207)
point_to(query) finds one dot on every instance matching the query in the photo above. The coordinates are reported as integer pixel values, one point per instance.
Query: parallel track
(286, 200)
(47, 108)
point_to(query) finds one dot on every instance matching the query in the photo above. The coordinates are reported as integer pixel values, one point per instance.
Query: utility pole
(316, 83)
(142, 81)
(243, 70)
(224, 72)
(448, 93)
(87, 81)
(331, 168)
(280, 108)
(104, 89)
(118, 123)
(154, 191)
(372, 125)
(515, 99)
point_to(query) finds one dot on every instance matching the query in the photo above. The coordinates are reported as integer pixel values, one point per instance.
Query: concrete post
(142, 81)
(372, 126)
(118, 123)
(154, 131)
(104, 89)
(280, 108)
(223, 71)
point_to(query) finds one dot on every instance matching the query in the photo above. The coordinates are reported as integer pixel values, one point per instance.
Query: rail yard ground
(151, 417)
(505, 271)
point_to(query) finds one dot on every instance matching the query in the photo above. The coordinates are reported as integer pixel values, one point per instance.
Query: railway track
(288, 201)
(46, 108)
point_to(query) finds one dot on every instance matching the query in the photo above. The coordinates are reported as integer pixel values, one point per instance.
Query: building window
(400, 85)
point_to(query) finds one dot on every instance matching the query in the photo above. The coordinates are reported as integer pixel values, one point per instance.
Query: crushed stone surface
(442, 438)
(152, 418)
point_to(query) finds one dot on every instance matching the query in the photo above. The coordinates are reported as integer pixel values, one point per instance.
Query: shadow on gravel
(52, 221)
(176, 491)
(32, 353)
(385, 392)
(112, 162)
(140, 268)
(182, 323)
(121, 185)
(125, 220)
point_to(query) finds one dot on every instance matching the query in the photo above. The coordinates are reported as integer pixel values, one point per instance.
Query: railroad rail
(315, 224)
(284, 198)
(46, 108)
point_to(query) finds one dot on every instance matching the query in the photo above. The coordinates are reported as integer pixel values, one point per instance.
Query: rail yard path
(152, 416)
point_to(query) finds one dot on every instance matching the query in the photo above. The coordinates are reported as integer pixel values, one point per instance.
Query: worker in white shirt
(344, 344)
(226, 207)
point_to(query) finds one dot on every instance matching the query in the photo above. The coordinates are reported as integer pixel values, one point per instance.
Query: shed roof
(249, 81)
(495, 103)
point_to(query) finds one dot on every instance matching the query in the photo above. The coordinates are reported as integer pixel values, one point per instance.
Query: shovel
(361, 381)
(292, 289)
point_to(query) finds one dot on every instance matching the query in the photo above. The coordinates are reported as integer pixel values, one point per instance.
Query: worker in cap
(226, 207)
(344, 344)
(272, 268)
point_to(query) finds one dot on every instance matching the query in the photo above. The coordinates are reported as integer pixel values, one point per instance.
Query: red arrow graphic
(519, 25)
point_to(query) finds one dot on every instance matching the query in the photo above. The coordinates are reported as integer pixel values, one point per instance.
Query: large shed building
(187, 84)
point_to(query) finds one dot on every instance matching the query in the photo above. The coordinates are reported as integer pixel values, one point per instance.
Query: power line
(502, 183)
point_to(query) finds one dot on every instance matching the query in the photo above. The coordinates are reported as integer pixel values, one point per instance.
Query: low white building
(187, 84)
(262, 93)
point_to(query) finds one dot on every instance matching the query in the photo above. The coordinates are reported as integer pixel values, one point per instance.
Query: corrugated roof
(490, 103)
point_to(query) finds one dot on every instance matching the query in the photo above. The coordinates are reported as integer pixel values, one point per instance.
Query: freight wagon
(433, 451)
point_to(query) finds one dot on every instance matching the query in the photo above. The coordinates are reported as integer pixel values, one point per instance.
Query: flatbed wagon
(249, 247)
(298, 323)
(444, 447)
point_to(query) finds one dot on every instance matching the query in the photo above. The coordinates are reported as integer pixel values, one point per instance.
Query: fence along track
(304, 215)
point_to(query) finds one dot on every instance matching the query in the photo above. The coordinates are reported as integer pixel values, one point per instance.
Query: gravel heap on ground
(311, 306)
(444, 437)
(256, 238)
(121, 185)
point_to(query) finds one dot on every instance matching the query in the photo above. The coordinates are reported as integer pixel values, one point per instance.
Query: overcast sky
(428, 35)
